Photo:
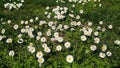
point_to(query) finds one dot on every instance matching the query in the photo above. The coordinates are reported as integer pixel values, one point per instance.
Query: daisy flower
(102, 55)
(11, 53)
(67, 44)
(83, 38)
(58, 48)
(39, 54)
(69, 58)
(93, 47)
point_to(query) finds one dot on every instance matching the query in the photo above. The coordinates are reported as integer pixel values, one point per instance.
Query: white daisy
(20, 40)
(93, 47)
(43, 39)
(96, 40)
(15, 27)
(69, 58)
(104, 47)
(1, 37)
(96, 33)
(60, 39)
(110, 26)
(47, 49)
(44, 45)
(3, 31)
(39, 54)
(83, 38)
(59, 48)
(11, 53)
(101, 22)
(117, 42)
(108, 53)
(102, 55)
(41, 60)
(31, 49)
(67, 44)
(9, 40)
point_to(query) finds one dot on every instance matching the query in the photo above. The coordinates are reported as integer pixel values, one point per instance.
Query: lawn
(59, 33)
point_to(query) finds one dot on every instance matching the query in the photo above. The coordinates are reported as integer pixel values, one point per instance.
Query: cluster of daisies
(59, 12)
(13, 4)
(83, 2)
(45, 31)
(54, 35)
(88, 32)
(24, 29)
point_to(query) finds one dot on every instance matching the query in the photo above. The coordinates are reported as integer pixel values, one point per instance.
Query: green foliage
(110, 13)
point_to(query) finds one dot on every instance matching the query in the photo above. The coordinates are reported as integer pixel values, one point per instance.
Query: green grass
(109, 13)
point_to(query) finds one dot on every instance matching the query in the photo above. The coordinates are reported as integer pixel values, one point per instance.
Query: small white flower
(9, 21)
(102, 55)
(39, 33)
(15, 27)
(41, 60)
(56, 34)
(98, 28)
(110, 26)
(43, 39)
(20, 40)
(93, 47)
(3, 31)
(81, 11)
(30, 44)
(50, 23)
(47, 49)
(69, 58)
(22, 1)
(96, 33)
(11, 53)
(23, 30)
(96, 40)
(26, 22)
(31, 20)
(108, 53)
(22, 22)
(31, 49)
(60, 39)
(39, 54)
(90, 23)
(101, 22)
(1, 37)
(52, 39)
(88, 33)
(103, 29)
(77, 17)
(58, 48)
(117, 42)
(44, 45)
(9, 40)
(79, 23)
(67, 44)
(104, 47)
(48, 33)
(45, 12)
(38, 37)
(36, 18)
(47, 8)
(53, 27)
(66, 26)
(83, 38)
(100, 5)
(27, 26)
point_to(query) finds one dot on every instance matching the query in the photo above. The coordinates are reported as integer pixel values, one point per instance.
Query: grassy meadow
(59, 33)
